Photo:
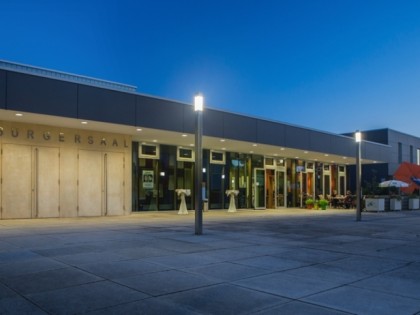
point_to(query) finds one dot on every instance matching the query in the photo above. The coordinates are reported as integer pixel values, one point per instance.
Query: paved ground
(290, 261)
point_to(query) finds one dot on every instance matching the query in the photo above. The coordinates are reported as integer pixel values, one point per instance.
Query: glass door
(185, 180)
(301, 192)
(280, 189)
(217, 186)
(327, 189)
(259, 188)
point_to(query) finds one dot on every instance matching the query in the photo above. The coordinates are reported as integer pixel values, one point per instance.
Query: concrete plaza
(288, 261)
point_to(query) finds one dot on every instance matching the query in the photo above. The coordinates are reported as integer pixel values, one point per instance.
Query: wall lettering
(48, 136)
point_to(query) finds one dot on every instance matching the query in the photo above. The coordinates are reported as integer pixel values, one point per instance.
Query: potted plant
(309, 203)
(413, 202)
(375, 203)
(395, 203)
(323, 203)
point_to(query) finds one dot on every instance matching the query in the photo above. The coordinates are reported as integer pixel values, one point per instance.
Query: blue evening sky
(333, 65)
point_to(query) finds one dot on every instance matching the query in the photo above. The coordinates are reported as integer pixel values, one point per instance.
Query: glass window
(185, 180)
(148, 184)
(399, 152)
(257, 160)
(185, 154)
(342, 186)
(411, 154)
(269, 162)
(245, 190)
(217, 157)
(300, 168)
(149, 151)
(281, 162)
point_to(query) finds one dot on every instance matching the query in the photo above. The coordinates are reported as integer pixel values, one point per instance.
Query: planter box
(375, 204)
(413, 203)
(395, 204)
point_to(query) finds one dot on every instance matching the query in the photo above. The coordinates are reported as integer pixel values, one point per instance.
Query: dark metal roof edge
(64, 76)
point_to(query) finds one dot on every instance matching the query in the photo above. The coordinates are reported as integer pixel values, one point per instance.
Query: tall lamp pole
(358, 138)
(198, 107)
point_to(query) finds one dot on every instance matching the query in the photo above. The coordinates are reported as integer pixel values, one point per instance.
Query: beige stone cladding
(59, 172)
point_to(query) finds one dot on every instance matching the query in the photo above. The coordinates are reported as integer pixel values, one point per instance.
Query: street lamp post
(198, 107)
(358, 138)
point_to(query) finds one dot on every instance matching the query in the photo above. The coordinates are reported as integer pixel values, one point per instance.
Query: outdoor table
(338, 201)
(232, 193)
(181, 194)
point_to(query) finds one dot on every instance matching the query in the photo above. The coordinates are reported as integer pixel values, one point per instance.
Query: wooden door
(114, 183)
(90, 183)
(16, 186)
(47, 189)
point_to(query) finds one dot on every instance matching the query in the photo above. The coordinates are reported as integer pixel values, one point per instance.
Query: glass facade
(262, 182)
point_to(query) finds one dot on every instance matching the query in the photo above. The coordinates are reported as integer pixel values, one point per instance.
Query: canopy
(393, 183)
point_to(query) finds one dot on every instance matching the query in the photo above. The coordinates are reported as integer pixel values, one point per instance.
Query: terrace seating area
(342, 202)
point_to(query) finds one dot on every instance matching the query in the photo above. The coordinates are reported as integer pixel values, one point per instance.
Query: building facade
(76, 146)
(403, 148)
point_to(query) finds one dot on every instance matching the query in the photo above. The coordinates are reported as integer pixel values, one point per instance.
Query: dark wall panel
(320, 142)
(297, 137)
(373, 151)
(213, 123)
(106, 105)
(159, 114)
(380, 135)
(2, 89)
(344, 146)
(240, 127)
(271, 133)
(41, 95)
(190, 119)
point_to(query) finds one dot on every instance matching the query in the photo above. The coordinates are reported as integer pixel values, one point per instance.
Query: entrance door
(270, 189)
(302, 179)
(259, 188)
(310, 184)
(90, 183)
(114, 183)
(280, 189)
(217, 187)
(47, 189)
(327, 186)
(16, 183)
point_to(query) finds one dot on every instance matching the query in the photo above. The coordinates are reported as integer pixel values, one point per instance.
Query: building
(404, 147)
(77, 146)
